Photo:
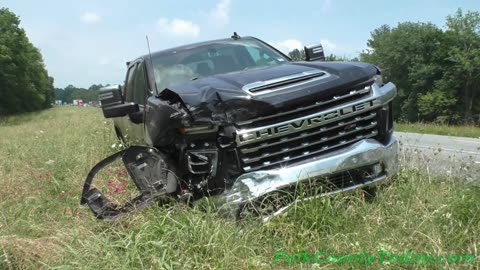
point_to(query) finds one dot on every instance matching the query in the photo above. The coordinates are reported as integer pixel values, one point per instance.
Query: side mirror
(113, 104)
(314, 53)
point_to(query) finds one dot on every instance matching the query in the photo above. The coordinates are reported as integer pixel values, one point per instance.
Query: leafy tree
(24, 82)
(331, 58)
(297, 55)
(408, 55)
(69, 93)
(434, 106)
(336, 58)
(463, 40)
(436, 72)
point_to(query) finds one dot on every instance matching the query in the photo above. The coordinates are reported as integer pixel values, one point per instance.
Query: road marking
(446, 149)
(469, 141)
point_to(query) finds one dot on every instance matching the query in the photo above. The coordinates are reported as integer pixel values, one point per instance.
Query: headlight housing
(378, 79)
(197, 130)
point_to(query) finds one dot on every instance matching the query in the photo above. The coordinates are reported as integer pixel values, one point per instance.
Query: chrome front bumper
(254, 185)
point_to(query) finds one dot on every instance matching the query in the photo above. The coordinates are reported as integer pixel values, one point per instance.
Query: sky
(88, 42)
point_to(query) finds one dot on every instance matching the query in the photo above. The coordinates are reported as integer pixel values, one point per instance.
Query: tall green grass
(44, 161)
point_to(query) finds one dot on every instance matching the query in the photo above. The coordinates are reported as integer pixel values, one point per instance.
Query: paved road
(441, 155)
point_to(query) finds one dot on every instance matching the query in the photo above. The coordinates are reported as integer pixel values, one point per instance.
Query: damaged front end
(240, 122)
(259, 154)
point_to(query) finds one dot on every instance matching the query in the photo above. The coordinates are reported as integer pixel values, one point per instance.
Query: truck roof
(196, 45)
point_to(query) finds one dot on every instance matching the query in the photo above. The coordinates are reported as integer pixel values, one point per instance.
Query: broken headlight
(197, 130)
(378, 79)
(202, 162)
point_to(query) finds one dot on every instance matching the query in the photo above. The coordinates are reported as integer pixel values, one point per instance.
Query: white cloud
(220, 15)
(90, 18)
(287, 45)
(328, 46)
(178, 27)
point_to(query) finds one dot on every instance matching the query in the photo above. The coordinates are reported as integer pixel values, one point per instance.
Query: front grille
(303, 144)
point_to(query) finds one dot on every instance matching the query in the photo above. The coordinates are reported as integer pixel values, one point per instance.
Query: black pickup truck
(237, 120)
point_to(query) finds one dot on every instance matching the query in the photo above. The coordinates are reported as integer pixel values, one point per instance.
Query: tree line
(436, 71)
(69, 93)
(24, 82)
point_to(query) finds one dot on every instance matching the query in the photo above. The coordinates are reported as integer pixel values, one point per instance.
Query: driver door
(133, 126)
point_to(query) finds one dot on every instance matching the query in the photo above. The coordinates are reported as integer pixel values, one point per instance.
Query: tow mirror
(314, 53)
(113, 104)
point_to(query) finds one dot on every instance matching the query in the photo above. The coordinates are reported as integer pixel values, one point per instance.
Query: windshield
(177, 67)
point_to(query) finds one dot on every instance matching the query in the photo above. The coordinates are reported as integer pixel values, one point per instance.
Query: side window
(129, 84)
(140, 87)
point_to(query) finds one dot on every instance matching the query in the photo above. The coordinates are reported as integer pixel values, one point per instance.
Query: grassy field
(457, 131)
(45, 157)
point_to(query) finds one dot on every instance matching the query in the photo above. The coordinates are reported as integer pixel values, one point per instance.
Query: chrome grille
(308, 143)
(297, 145)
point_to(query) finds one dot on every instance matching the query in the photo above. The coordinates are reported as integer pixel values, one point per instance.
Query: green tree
(434, 106)
(436, 72)
(69, 93)
(24, 82)
(297, 55)
(336, 58)
(409, 56)
(463, 39)
(331, 58)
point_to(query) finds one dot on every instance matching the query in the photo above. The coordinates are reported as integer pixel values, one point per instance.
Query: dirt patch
(17, 253)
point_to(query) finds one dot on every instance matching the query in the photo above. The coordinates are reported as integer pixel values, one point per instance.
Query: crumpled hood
(221, 98)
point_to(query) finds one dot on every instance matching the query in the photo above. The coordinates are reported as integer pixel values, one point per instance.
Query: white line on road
(469, 141)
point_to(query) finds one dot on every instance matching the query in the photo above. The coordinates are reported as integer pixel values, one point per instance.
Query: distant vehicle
(78, 102)
(237, 120)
